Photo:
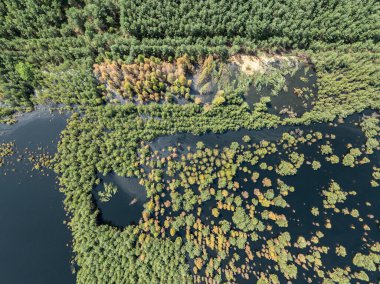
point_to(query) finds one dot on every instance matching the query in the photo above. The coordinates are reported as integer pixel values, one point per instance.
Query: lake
(34, 242)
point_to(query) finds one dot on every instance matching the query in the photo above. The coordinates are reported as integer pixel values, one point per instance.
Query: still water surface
(33, 239)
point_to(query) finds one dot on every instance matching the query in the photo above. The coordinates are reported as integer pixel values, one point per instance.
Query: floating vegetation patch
(6, 150)
(371, 128)
(40, 159)
(109, 191)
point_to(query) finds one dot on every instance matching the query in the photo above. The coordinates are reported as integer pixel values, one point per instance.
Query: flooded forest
(190, 142)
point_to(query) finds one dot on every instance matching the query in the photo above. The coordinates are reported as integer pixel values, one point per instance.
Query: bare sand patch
(250, 64)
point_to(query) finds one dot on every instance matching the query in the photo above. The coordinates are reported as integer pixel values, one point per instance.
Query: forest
(40, 37)
(132, 71)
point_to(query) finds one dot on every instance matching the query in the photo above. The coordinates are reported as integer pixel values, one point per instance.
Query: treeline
(31, 19)
(24, 63)
(56, 18)
(38, 36)
(288, 24)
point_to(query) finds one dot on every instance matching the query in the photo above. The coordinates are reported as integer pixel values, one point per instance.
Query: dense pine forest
(40, 39)
(132, 71)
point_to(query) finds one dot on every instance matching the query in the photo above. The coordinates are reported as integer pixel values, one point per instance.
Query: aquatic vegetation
(6, 150)
(371, 128)
(41, 161)
(315, 211)
(109, 190)
(333, 159)
(349, 160)
(369, 262)
(326, 149)
(206, 175)
(316, 165)
(376, 177)
(333, 195)
(285, 169)
(341, 251)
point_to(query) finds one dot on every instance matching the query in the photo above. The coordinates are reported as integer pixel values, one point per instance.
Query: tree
(25, 70)
(341, 251)
(315, 165)
(367, 262)
(219, 101)
(349, 160)
(215, 212)
(285, 168)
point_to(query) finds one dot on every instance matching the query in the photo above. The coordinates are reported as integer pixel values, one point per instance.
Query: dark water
(303, 78)
(33, 239)
(125, 207)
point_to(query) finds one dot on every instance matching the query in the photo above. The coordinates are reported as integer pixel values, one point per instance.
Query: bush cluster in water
(6, 150)
(205, 197)
(222, 207)
(109, 190)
